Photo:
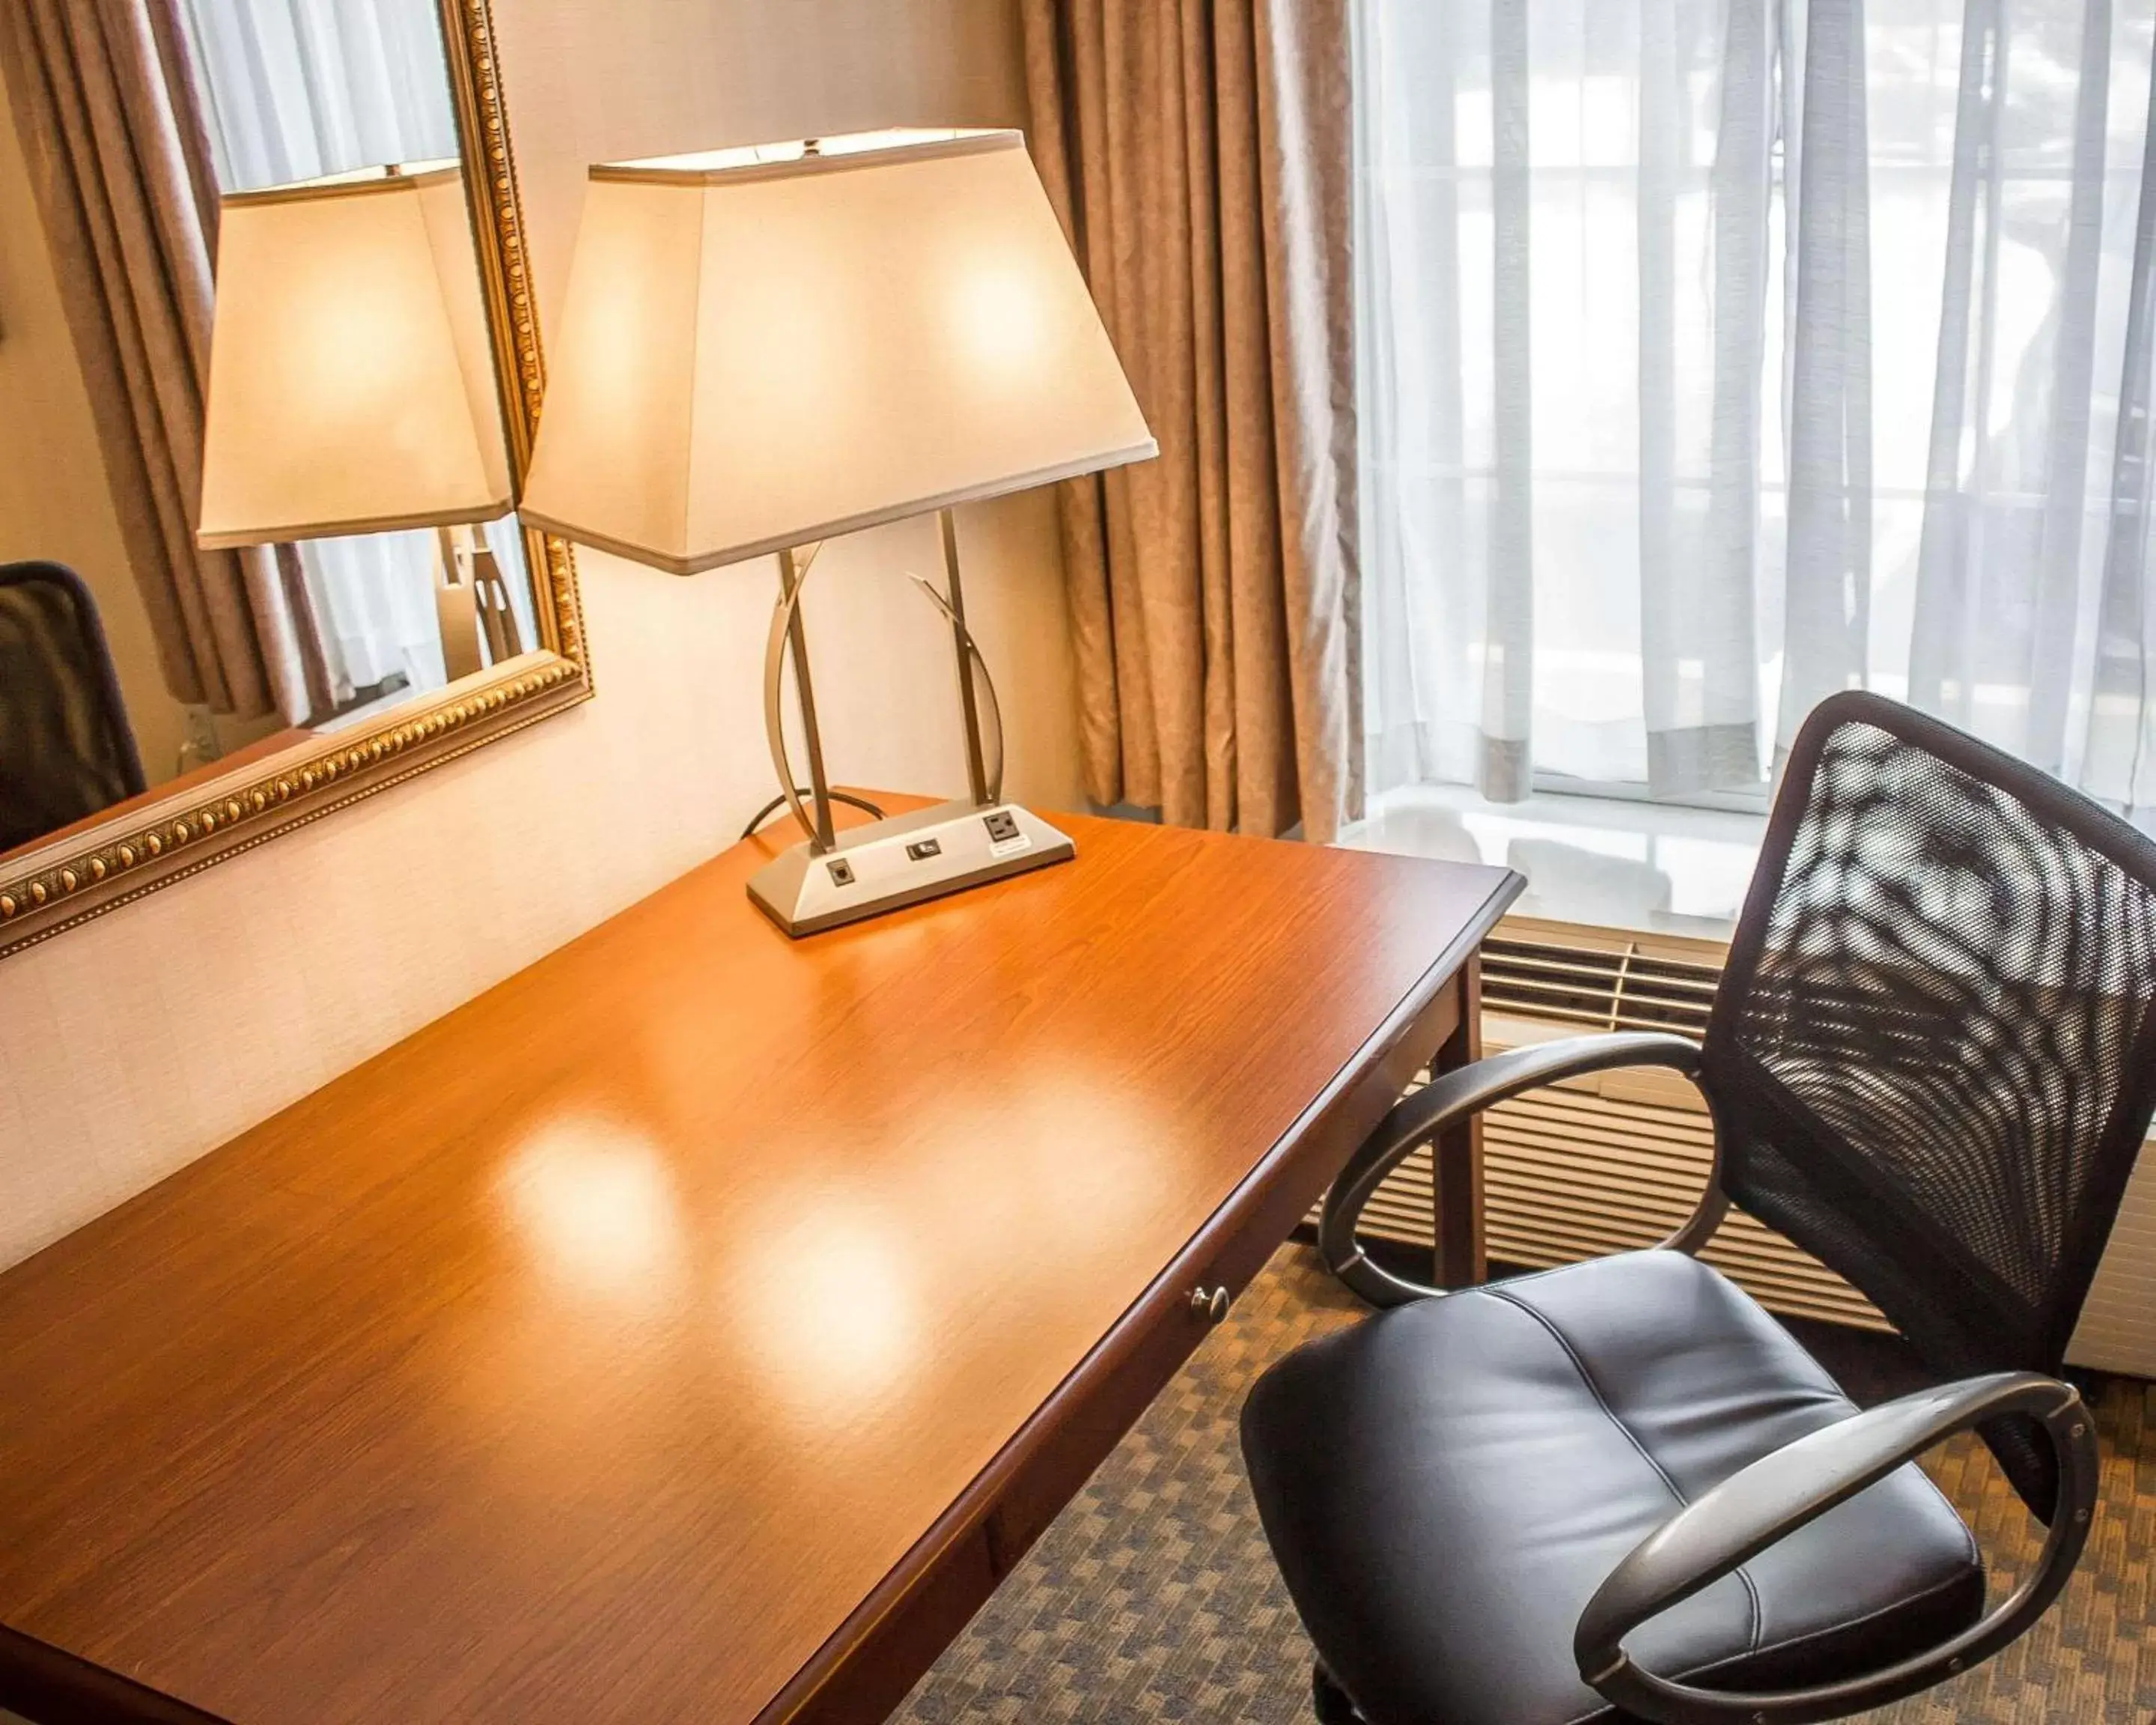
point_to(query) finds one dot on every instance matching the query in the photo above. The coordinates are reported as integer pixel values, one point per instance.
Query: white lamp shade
(352, 379)
(760, 348)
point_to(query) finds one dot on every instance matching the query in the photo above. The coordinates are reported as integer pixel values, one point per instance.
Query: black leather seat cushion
(1445, 1484)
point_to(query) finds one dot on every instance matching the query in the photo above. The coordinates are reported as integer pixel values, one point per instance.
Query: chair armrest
(1454, 1096)
(1772, 1498)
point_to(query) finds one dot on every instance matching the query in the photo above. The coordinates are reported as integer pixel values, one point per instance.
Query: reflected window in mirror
(293, 94)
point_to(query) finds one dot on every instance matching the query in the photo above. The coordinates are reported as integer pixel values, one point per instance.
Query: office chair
(66, 750)
(1619, 1490)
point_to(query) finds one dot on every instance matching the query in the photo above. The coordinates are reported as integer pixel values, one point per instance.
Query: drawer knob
(1210, 1304)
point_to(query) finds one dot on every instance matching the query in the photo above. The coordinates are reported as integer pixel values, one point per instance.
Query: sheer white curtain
(1564, 222)
(301, 88)
(2030, 576)
(1718, 354)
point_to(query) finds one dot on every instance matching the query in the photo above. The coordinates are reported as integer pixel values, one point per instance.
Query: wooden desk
(696, 1326)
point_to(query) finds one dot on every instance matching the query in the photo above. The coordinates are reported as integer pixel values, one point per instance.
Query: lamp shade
(763, 347)
(351, 379)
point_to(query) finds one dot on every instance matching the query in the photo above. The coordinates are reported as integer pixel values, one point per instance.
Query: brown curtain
(104, 100)
(1198, 152)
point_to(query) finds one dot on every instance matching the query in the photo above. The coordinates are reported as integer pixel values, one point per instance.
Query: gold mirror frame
(54, 886)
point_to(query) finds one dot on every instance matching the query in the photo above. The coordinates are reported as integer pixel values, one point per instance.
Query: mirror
(150, 720)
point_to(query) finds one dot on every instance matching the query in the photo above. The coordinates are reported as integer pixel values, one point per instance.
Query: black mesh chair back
(66, 750)
(1932, 1056)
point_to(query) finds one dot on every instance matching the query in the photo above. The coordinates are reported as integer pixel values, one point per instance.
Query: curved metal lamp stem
(787, 632)
(986, 781)
(976, 775)
(983, 779)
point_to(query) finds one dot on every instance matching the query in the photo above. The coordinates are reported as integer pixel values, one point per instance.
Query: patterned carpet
(1153, 1598)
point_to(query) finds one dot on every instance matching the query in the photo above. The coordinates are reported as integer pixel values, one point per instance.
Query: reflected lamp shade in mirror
(764, 347)
(352, 386)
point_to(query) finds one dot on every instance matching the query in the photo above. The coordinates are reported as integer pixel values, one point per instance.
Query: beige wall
(142, 1040)
(627, 78)
(53, 502)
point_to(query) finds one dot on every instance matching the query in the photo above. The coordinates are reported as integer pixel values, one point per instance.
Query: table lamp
(351, 379)
(764, 347)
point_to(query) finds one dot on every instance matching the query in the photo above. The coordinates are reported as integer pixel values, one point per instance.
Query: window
(1716, 357)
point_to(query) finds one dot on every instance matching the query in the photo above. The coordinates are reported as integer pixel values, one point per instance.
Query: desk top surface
(594, 1351)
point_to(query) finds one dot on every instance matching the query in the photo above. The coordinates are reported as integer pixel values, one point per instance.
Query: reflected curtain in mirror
(104, 98)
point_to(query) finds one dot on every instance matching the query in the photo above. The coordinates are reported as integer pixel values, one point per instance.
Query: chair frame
(1773, 1496)
(1456, 1098)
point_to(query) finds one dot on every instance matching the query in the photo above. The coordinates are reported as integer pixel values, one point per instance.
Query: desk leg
(1456, 1155)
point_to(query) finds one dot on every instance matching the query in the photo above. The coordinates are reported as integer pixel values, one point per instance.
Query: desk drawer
(1097, 1421)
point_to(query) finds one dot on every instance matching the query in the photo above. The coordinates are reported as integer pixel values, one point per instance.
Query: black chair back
(66, 750)
(1932, 1055)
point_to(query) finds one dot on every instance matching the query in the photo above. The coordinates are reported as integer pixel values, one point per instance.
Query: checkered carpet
(1153, 1597)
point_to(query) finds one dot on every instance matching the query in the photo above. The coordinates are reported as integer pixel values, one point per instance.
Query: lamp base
(903, 860)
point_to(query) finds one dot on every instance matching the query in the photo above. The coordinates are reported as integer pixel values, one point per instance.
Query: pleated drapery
(1199, 154)
(1827, 578)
